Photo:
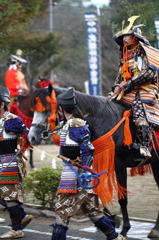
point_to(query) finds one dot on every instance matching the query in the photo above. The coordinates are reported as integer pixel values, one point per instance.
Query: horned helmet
(130, 29)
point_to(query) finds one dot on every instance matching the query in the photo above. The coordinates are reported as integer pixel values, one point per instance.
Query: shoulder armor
(10, 116)
(152, 55)
(77, 122)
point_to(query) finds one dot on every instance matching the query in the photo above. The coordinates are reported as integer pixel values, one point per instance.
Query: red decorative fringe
(56, 139)
(104, 160)
(52, 119)
(104, 155)
(15, 110)
(156, 140)
(141, 170)
(24, 143)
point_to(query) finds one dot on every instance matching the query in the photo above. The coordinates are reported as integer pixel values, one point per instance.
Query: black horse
(102, 115)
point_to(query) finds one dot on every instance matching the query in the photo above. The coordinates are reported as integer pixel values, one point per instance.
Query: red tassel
(127, 75)
(127, 133)
(124, 67)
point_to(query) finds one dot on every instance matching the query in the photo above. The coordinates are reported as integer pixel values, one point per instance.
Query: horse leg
(121, 173)
(155, 230)
(31, 160)
(126, 222)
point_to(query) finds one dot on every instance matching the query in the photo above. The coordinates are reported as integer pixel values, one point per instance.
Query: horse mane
(42, 93)
(97, 105)
(88, 104)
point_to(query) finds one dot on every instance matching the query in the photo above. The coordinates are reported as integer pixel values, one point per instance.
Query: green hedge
(43, 185)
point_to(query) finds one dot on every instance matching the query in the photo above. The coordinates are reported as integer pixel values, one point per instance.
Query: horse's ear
(50, 89)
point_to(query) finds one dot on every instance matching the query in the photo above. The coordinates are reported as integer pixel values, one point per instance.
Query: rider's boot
(106, 226)
(59, 232)
(16, 215)
(116, 219)
(144, 135)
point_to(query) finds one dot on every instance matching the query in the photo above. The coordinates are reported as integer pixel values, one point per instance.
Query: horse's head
(44, 104)
(43, 82)
(100, 113)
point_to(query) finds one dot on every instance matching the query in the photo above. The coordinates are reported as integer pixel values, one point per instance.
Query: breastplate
(8, 146)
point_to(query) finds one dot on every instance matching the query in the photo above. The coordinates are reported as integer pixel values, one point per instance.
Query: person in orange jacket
(14, 78)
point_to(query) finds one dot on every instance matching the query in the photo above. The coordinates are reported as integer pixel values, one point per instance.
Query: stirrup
(134, 150)
(145, 151)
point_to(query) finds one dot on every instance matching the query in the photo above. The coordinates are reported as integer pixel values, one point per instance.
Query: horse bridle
(46, 133)
(45, 127)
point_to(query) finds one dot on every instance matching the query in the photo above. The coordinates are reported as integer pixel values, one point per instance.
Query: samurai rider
(136, 84)
(14, 78)
(75, 142)
(12, 168)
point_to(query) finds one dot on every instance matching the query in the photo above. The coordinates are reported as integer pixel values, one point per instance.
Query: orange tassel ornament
(127, 75)
(124, 67)
(104, 159)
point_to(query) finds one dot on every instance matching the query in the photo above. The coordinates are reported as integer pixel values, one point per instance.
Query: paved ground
(40, 229)
(143, 199)
(143, 203)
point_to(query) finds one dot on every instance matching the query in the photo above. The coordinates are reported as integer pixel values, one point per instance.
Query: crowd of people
(135, 87)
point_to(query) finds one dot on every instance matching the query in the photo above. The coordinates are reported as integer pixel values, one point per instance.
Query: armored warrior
(12, 167)
(75, 144)
(14, 78)
(136, 84)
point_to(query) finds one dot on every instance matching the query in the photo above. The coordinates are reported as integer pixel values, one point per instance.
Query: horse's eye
(46, 110)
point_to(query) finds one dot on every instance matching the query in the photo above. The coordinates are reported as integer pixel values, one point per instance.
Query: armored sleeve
(145, 75)
(81, 135)
(118, 79)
